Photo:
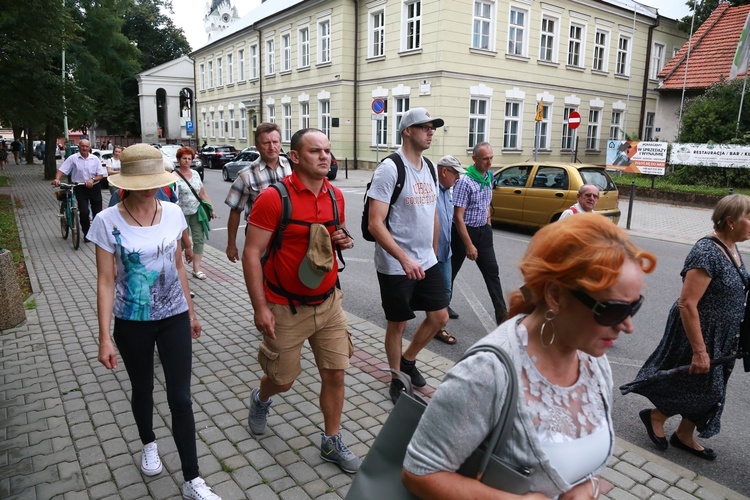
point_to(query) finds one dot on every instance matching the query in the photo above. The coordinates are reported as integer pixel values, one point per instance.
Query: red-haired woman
(583, 280)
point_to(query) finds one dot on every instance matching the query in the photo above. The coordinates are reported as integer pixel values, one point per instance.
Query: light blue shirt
(445, 216)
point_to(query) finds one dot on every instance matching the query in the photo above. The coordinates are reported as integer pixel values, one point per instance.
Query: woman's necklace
(156, 209)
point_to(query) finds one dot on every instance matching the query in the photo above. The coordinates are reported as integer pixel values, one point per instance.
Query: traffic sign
(378, 106)
(574, 120)
(189, 127)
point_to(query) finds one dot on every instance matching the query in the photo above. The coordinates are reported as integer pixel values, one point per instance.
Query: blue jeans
(445, 271)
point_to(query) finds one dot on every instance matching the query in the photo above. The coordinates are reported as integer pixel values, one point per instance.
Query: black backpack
(400, 179)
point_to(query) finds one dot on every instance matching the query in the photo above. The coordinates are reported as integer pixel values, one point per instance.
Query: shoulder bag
(202, 204)
(379, 476)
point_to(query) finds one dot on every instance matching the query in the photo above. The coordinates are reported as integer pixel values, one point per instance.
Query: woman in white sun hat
(142, 281)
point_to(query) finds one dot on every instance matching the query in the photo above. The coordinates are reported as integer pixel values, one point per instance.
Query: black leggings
(135, 340)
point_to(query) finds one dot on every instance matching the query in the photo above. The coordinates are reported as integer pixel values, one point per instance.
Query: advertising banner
(710, 155)
(638, 157)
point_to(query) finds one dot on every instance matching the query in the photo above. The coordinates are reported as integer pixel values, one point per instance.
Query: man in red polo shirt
(294, 294)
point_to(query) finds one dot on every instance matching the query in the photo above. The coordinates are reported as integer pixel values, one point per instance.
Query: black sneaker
(395, 390)
(417, 380)
(452, 314)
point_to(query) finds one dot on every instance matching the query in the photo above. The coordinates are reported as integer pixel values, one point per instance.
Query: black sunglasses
(611, 312)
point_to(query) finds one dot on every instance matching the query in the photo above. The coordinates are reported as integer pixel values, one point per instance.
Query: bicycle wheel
(76, 225)
(63, 221)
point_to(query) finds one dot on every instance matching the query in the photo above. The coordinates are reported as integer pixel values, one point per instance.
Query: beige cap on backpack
(318, 260)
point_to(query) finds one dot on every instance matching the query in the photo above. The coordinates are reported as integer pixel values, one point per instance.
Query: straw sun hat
(141, 168)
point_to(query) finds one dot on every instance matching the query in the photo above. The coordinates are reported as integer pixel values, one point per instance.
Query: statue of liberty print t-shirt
(147, 286)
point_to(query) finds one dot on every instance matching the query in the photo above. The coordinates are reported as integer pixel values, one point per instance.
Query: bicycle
(69, 219)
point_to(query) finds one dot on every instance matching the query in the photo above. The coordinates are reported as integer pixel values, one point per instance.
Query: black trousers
(481, 237)
(85, 197)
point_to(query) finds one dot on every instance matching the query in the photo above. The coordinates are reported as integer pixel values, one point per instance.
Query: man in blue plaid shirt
(471, 235)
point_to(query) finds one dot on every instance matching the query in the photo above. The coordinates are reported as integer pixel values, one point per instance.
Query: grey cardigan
(466, 406)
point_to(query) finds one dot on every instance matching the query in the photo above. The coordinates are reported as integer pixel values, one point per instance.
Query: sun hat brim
(142, 182)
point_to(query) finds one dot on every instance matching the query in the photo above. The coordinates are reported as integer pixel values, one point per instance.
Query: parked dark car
(217, 156)
(170, 152)
(229, 171)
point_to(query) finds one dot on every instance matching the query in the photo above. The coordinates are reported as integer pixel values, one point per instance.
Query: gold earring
(548, 317)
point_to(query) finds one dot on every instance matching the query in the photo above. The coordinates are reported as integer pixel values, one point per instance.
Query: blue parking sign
(189, 127)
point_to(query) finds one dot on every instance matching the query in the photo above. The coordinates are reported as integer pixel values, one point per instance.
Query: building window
(231, 123)
(482, 37)
(325, 117)
(270, 56)
(286, 119)
(219, 72)
(286, 52)
(324, 42)
(210, 74)
(205, 125)
(243, 123)
(547, 43)
(592, 134)
(241, 64)
(615, 125)
(203, 77)
(600, 50)
(254, 62)
(304, 47)
(212, 125)
(401, 107)
(271, 113)
(478, 120)
(517, 32)
(304, 115)
(377, 34)
(567, 132)
(575, 45)
(380, 127)
(623, 56)
(657, 60)
(230, 68)
(512, 125)
(648, 129)
(544, 128)
(412, 38)
(222, 126)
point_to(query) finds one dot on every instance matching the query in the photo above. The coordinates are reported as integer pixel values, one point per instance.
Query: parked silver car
(242, 160)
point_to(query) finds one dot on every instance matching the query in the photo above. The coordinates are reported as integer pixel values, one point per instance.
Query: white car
(170, 152)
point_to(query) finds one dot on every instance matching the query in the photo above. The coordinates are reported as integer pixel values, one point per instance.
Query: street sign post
(574, 121)
(377, 106)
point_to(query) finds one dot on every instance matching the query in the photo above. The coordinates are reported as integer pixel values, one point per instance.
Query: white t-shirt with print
(147, 286)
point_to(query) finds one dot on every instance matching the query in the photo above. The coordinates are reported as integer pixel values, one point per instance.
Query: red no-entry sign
(574, 119)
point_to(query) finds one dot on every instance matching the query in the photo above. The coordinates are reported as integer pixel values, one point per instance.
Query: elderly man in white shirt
(588, 196)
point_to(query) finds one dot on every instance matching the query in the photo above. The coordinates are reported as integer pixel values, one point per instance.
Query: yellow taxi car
(535, 194)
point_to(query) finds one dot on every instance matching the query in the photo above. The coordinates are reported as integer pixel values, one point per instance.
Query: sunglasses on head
(610, 312)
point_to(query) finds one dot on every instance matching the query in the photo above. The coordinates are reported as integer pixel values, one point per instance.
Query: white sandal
(200, 275)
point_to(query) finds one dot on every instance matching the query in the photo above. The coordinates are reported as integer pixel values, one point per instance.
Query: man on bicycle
(85, 170)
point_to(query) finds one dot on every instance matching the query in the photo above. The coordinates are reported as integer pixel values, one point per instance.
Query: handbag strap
(729, 254)
(504, 426)
(177, 171)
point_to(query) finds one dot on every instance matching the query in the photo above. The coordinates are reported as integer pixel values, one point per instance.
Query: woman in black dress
(703, 324)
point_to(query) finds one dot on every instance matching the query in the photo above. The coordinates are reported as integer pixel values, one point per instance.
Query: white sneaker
(197, 489)
(150, 461)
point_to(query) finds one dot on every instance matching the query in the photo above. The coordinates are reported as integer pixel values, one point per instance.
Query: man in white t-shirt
(588, 195)
(409, 277)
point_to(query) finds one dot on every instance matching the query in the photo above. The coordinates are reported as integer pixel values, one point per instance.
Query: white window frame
(212, 124)
(478, 117)
(576, 46)
(243, 123)
(657, 59)
(271, 113)
(286, 52)
(566, 142)
(204, 120)
(253, 62)
(548, 39)
(241, 65)
(545, 127)
(483, 25)
(324, 41)
(304, 114)
(380, 128)
(219, 72)
(615, 125)
(512, 125)
(593, 129)
(376, 34)
(324, 116)
(648, 126)
(270, 57)
(400, 107)
(210, 74)
(600, 61)
(411, 25)
(303, 38)
(231, 124)
(230, 69)
(202, 71)
(622, 65)
(518, 32)
(221, 124)
(286, 121)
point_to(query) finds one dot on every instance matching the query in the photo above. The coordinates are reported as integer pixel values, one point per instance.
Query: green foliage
(682, 182)
(702, 9)
(712, 116)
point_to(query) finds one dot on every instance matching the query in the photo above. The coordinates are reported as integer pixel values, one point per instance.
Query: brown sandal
(444, 336)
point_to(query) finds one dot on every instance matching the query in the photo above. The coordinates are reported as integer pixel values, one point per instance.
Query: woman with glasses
(583, 280)
(703, 324)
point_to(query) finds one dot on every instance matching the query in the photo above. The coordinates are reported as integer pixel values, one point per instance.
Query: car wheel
(212, 164)
(331, 175)
(225, 174)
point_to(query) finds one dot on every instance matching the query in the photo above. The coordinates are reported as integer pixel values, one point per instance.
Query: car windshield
(598, 177)
(226, 149)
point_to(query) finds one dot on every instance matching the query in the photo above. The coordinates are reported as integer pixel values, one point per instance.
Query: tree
(702, 10)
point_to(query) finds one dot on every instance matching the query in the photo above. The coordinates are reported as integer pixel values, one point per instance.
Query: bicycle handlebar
(64, 185)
